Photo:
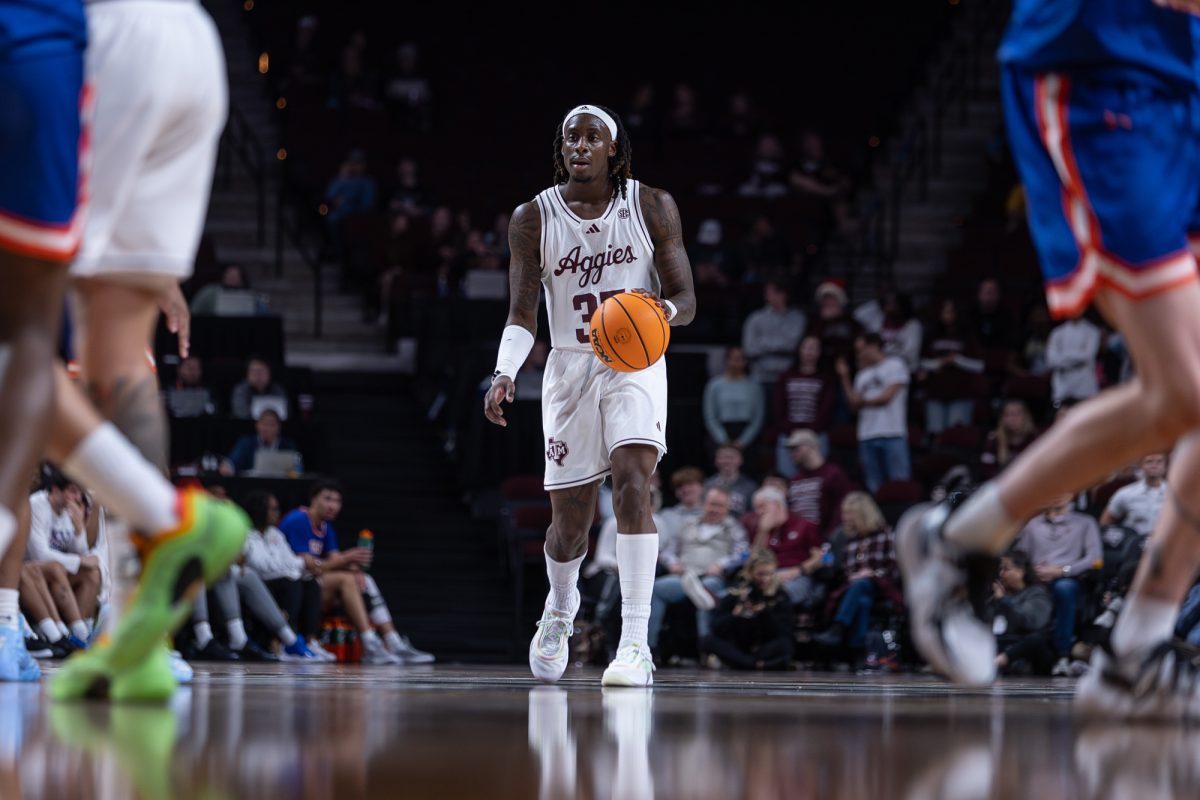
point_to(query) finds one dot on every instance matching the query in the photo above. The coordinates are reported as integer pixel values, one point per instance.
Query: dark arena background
(840, 169)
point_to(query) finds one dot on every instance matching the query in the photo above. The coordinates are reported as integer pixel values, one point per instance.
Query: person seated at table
(267, 436)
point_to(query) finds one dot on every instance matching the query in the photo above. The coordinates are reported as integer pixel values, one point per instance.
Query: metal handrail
(240, 140)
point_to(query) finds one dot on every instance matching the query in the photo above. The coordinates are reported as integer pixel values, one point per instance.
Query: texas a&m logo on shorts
(556, 451)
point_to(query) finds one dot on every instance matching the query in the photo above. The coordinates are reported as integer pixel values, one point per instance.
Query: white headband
(596, 112)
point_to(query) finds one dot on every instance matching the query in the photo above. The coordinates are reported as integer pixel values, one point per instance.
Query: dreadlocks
(620, 166)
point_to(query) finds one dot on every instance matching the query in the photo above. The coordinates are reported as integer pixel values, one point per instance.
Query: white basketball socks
(637, 558)
(124, 480)
(10, 609)
(237, 633)
(50, 631)
(203, 633)
(8, 528)
(564, 576)
(982, 524)
(286, 635)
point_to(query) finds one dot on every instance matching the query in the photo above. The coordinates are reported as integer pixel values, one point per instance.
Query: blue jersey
(304, 539)
(34, 28)
(1135, 37)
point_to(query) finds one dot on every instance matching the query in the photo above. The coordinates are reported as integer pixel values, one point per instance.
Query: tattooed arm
(670, 257)
(524, 286)
(525, 266)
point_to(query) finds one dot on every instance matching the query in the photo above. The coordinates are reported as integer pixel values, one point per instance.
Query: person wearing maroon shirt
(818, 487)
(803, 398)
(795, 541)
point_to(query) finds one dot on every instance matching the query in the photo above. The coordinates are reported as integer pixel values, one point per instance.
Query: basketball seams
(604, 327)
(632, 324)
(658, 315)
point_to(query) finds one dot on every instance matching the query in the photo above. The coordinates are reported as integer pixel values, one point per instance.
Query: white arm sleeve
(515, 345)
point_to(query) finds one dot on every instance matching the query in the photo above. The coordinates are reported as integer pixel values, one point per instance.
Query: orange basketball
(629, 332)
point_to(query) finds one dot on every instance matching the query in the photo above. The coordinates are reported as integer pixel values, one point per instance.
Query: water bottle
(366, 540)
(826, 555)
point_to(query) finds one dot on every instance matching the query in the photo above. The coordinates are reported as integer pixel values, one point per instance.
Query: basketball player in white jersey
(160, 101)
(595, 233)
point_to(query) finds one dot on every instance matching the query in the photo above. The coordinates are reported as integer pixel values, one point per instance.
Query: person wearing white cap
(594, 234)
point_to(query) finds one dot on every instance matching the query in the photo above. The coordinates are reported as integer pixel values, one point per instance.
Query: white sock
(63, 629)
(564, 577)
(380, 615)
(10, 608)
(370, 640)
(286, 635)
(981, 524)
(8, 527)
(637, 558)
(79, 630)
(50, 631)
(1143, 622)
(91, 626)
(237, 634)
(203, 634)
(124, 480)
(392, 640)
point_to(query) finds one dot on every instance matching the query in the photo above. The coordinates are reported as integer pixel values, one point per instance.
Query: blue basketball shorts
(1111, 170)
(41, 141)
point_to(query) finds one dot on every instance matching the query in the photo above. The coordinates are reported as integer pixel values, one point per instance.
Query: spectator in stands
(406, 90)
(309, 530)
(752, 626)
(768, 173)
(794, 541)
(813, 173)
(817, 487)
(1136, 505)
(733, 404)
(687, 484)
(992, 322)
(37, 596)
(708, 256)
(642, 118)
(1036, 337)
(290, 578)
(760, 253)
(1021, 609)
(409, 195)
(902, 332)
(947, 371)
(742, 123)
(879, 393)
(803, 398)
(352, 192)
(258, 383)
(58, 535)
(771, 334)
(729, 477)
(189, 397)
(1187, 627)
(354, 86)
(305, 71)
(684, 117)
(1014, 432)
(696, 560)
(868, 562)
(1071, 353)
(1063, 545)
(834, 325)
(233, 279)
(267, 436)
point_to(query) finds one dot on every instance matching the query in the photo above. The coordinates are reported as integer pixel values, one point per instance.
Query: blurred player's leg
(41, 89)
(160, 107)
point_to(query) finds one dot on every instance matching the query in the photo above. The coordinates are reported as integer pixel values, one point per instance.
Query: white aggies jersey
(586, 261)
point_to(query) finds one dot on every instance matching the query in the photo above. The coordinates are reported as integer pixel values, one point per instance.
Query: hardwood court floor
(293, 731)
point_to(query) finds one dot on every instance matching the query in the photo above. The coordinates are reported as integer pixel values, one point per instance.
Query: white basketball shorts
(589, 410)
(157, 71)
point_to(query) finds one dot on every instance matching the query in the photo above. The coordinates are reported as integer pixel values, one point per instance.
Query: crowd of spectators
(272, 602)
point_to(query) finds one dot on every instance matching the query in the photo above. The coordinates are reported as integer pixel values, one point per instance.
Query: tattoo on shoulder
(662, 215)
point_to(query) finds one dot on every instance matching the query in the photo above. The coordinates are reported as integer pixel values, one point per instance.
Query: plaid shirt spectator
(874, 551)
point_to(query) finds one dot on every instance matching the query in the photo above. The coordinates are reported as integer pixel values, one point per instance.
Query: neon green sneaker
(139, 740)
(176, 565)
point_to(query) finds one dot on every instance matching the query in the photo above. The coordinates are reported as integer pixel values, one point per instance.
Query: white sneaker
(550, 651)
(379, 656)
(1062, 668)
(410, 654)
(320, 652)
(632, 667)
(697, 592)
(181, 669)
(944, 626)
(1159, 683)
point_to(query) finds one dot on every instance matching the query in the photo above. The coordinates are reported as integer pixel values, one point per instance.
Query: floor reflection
(454, 733)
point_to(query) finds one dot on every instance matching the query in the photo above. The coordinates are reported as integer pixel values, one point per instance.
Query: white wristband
(515, 345)
(671, 307)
